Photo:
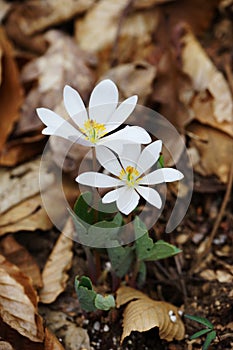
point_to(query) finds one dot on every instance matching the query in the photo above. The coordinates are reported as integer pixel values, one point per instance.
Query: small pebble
(96, 326)
(106, 328)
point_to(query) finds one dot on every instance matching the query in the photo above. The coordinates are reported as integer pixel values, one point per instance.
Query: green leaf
(118, 219)
(141, 278)
(161, 161)
(210, 337)
(139, 228)
(81, 230)
(104, 303)
(201, 320)
(83, 210)
(200, 333)
(86, 294)
(101, 233)
(147, 250)
(121, 259)
(86, 282)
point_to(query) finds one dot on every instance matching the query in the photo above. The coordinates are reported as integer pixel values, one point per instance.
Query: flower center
(93, 130)
(129, 175)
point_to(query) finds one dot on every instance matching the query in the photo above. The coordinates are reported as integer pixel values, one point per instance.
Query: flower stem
(95, 200)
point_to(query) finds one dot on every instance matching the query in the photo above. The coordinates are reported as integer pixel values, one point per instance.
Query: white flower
(130, 181)
(103, 116)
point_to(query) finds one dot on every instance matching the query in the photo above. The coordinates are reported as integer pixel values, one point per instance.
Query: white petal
(108, 160)
(74, 105)
(103, 101)
(121, 113)
(128, 200)
(94, 179)
(149, 156)
(111, 196)
(150, 195)
(161, 175)
(130, 134)
(59, 127)
(130, 154)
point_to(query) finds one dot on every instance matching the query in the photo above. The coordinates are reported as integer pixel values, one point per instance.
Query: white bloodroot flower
(130, 176)
(103, 116)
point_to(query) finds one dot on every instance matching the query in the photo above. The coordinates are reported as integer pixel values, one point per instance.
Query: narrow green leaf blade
(210, 337)
(200, 333)
(201, 320)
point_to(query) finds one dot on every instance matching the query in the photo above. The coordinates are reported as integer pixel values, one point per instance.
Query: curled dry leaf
(34, 16)
(19, 256)
(11, 94)
(63, 63)
(22, 183)
(98, 32)
(205, 76)
(143, 313)
(18, 302)
(51, 342)
(5, 345)
(21, 149)
(215, 150)
(133, 78)
(55, 275)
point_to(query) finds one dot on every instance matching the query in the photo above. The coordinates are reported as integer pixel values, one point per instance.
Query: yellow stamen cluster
(130, 175)
(93, 130)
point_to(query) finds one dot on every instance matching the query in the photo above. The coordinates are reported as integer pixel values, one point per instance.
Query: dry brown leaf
(22, 149)
(215, 150)
(55, 275)
(205, 76)
(38, 220)
(19, 256)
(198, 14)
(144, 313)
(5, 345)
(51, 342)
(141, 4)
(4, 8)
(20, 211)
(18, 302)
(11, 94)
(202, 106)
(21, 183)
(63, 63)
(34, 16)
(98, 31)
(133, 78)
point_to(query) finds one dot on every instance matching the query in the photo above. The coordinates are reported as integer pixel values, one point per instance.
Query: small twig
(225, 336)
(217, 221)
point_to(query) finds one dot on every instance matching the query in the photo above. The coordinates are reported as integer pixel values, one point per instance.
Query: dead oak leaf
(19, 256)
(143, 313)
(22, 183)
(133, 78)
(99, 32)
(18, 302)
(11, 93)
(55, 275)
(63, 63)
(214, 148)
(34, 16)
(205, 76)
